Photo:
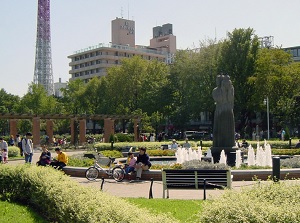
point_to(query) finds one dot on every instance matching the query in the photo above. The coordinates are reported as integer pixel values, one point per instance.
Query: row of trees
(178, 93)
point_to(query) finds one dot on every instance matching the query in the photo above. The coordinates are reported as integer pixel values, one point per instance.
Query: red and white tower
(43, 61)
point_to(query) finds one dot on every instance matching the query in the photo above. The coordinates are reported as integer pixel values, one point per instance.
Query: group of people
(175, 145)
(142, 162)
(26, 148)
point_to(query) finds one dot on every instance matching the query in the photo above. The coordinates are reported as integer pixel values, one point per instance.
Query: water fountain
(263, 155)
(223, 158)
(251, 156)
(183, 154)
(238, 158)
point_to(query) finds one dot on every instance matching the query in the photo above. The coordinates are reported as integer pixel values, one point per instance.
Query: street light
(266, 102)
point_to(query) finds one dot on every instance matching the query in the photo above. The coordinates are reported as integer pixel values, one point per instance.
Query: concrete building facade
(94, 60)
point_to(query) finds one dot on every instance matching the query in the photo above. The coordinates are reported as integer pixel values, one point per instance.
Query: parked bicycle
(117, 172)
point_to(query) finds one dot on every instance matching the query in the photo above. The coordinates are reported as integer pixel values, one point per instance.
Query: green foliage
(197, 164)
(124, 137)
(112, 153)
(60, 199)
(80, 161)
(159, 152)
(183, 210)
(11, 213)
(265, 202)
(290, 163)
(13, 151)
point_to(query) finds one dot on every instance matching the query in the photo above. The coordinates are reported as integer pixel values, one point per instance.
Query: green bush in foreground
(266, 202)
(55, 195)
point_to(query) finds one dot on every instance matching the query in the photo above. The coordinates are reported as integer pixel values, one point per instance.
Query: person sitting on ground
(129, 167)
(61, 161)
(186, 144)
(45, 158)
(174, 144)
(142, 163)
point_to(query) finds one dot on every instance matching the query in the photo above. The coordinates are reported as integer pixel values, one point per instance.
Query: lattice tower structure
(43, 74)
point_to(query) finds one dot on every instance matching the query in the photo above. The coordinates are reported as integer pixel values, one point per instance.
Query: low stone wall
(238, 175)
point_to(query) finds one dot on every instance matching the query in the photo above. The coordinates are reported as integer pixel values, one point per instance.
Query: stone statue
(224, 128)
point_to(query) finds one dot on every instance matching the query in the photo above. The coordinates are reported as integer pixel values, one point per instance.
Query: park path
(139, 189)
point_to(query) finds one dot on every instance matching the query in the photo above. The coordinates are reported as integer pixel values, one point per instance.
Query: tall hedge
(61, 199)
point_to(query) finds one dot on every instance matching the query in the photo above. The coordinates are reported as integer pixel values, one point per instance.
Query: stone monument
(224, 128)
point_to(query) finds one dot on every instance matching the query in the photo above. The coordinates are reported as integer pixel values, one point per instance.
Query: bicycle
(116, 172)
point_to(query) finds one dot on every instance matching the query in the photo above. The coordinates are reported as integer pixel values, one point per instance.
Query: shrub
(13, 151)
(265, 202)
(122, 137)
(60, 199)
(159, 152)
(198, 164)
(291, 163)
(80, 161)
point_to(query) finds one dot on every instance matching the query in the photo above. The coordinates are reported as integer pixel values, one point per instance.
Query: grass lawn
(14, 213)
(183, 210)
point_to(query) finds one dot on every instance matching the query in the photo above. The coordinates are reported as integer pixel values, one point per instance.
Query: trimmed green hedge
(60, 199)
(264, 203)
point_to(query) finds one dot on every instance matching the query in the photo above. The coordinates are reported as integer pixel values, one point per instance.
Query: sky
(78, 24)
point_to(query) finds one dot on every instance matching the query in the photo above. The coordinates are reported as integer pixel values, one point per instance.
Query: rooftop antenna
(128, 8)
(215, 34)
(122, 12)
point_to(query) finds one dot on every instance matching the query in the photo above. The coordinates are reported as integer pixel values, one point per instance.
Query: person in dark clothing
(142, 163)
(45, 158)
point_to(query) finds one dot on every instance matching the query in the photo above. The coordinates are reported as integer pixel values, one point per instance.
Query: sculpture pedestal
(230, 152)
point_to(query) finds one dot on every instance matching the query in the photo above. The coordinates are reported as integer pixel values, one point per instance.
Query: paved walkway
(139, 189)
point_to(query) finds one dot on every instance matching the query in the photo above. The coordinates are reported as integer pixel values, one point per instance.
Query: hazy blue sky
(77, 24)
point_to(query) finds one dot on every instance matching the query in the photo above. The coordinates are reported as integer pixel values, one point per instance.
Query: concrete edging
(238, 175)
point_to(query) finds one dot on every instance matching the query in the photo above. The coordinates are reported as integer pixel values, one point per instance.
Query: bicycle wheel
(92, 173)
(118, 174)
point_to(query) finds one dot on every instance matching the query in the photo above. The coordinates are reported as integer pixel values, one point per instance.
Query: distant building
(295, 51)
(164, 39)
(94, 60)
(57, 88)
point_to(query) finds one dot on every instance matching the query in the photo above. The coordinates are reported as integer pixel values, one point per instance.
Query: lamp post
(266, 102)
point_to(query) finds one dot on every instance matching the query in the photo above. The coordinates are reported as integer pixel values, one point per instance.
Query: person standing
(61, 161)
(27, 147)
(19, 143)
(3, 144)
(5, 156)
(143, 163)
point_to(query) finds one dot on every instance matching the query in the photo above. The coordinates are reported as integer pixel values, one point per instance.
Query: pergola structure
(108, 124)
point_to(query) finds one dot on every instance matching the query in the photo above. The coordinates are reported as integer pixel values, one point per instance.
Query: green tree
(237, 59)
(277, 77)
(74, 97)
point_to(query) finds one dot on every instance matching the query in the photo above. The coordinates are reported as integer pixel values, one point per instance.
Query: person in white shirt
(3, 144)
(27, 146)
(174, 144)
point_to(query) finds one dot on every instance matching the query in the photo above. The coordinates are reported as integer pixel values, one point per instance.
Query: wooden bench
(195, 179)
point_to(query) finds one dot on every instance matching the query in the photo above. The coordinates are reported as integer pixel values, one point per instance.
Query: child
(5, 156)
(131, 163)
